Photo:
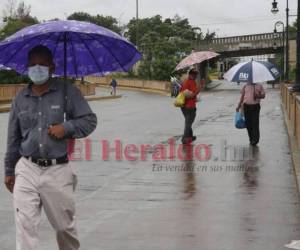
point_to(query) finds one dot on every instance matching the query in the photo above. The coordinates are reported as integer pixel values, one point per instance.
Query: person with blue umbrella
(36, 161)
(251, 95)
(252, 73)
(47, 114)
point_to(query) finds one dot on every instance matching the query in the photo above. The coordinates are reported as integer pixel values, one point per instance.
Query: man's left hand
(57, 131)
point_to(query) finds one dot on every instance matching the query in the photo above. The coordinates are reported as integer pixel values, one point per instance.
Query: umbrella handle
(65, 101)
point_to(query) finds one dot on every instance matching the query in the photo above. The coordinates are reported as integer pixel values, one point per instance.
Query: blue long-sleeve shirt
(31, 116)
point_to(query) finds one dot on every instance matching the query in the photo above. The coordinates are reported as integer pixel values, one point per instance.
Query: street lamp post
(137, 22)
(274, 10)
(278, 23)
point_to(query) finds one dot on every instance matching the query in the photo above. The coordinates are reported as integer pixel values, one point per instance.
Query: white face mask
(38, 74)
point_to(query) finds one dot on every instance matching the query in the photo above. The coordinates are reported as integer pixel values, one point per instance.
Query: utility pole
(274, 10)
(287, 55)
(283, 45)
(298, 49)
(137, 23)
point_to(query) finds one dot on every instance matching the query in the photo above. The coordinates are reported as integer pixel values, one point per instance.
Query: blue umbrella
(79, 48)
(253, 72)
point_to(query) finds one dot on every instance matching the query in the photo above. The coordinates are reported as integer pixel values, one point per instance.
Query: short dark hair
(41, 50)
(193, 72)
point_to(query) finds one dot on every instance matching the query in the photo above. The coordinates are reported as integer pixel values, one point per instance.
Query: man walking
(189, 109)
(36, 161)
(113, 85)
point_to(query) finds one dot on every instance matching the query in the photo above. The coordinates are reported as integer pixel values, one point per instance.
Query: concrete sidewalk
(249, 203)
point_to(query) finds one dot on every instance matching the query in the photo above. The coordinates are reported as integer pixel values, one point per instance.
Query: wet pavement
(235, 199)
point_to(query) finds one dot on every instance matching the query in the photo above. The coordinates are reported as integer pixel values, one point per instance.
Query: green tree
(108, 22)
(209, 36)
(14, 25)
(163, 43)
(80, 16)
(293, 30)
(17, 17)
(12, 77)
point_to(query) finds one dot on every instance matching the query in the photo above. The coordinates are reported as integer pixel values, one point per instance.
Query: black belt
(48, 162)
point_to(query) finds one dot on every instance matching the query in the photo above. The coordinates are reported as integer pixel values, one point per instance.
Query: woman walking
(251, 94)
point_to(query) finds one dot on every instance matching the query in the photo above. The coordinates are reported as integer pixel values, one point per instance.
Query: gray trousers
(51, 188)
(189, 117)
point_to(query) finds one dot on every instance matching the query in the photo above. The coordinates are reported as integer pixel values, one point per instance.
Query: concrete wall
(87, 89)
(162, 86)
(292, 53)
(9, 91)
(291, 103)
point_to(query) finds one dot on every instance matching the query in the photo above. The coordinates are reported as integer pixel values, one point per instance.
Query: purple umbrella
(79, 48)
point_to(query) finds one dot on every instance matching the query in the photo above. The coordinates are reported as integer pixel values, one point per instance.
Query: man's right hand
(9, 182)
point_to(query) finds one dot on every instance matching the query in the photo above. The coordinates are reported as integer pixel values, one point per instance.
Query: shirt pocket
(25, 121)
(56, 115)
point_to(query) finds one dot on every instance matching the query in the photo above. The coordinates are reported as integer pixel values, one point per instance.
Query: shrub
(12, 77)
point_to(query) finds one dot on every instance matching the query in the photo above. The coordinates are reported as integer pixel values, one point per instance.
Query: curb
(99, 98)
(152, 91)
(209, 88)
(295, 151)
(7, 107)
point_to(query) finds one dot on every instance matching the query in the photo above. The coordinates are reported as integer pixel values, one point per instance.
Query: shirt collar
(52, 87)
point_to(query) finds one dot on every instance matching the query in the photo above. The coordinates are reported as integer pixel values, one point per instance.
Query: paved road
(251, 204)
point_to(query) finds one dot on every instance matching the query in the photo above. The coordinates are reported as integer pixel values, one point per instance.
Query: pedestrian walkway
(224, 203)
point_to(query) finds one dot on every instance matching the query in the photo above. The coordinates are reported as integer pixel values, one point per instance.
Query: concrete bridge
(247, 45)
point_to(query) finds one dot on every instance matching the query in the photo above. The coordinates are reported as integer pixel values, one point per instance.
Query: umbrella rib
(75, 58)
(41, 41)
(116, 59)
(56, 45)
(5, 47)
(129, 61)
(92, 55)
(22, 45)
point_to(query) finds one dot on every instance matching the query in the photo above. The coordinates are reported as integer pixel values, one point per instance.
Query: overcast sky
(225, 17)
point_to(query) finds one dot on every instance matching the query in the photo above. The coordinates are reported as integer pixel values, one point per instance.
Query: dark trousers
(189, 117)
(252, 121)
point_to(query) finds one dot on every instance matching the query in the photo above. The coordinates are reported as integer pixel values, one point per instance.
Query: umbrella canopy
(195, 58)
(79, 48)
(253, 72)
